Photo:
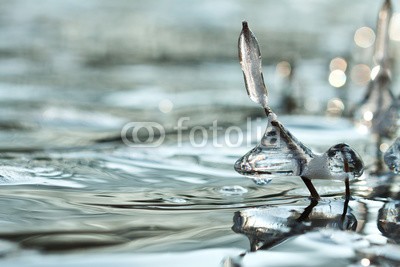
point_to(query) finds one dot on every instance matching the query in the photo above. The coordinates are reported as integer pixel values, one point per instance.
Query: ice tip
(387, 5)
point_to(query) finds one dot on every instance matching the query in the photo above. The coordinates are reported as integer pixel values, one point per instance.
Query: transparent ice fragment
(343, 159)
(278, 153)
(340, 162)
(250, 61)
(392, 157)
(281, 154)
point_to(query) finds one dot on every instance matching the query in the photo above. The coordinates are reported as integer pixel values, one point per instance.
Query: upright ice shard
(250, 61)
(279, 152)
(379, 108)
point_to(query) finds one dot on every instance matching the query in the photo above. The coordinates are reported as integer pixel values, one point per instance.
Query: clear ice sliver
(250, 61)
(392, 157)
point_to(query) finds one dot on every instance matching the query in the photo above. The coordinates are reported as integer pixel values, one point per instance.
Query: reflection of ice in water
(392, 156)
(268, 226)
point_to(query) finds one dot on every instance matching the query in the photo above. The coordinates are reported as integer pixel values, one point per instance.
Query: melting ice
(279, 152)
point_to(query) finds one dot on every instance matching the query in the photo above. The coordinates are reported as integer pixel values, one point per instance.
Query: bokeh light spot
(360, 74)
(368, 115)
(338, 63)
(335, 107)
(165, 106)
(365, 262)
(337, 78)
(383, 147)
(283, 68)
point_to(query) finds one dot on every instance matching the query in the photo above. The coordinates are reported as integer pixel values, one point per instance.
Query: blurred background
(85, 68)
(73, 73)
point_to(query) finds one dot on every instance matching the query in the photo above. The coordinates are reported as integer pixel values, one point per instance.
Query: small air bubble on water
(261, 181)
(233, 190)
(175, 200)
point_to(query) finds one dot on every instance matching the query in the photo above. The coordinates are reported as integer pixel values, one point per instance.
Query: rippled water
(72, 193)
(67, 196)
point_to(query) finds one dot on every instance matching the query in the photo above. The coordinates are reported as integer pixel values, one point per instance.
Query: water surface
(72, 193)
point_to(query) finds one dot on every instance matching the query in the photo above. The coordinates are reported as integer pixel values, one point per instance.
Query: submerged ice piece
(269, 226)
(279, 152)
(392, 157)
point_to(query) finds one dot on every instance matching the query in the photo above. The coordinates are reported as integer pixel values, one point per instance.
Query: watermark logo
(143, 134)
(152, 134)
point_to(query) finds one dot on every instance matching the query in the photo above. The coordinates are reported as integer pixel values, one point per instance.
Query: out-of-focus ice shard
(379, 108)
(381, 56)
(392, 157)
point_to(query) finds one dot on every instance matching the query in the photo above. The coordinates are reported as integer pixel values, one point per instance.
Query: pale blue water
(72, 193)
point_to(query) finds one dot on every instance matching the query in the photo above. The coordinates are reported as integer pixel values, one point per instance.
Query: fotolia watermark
(143, 134)
(153, 134)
